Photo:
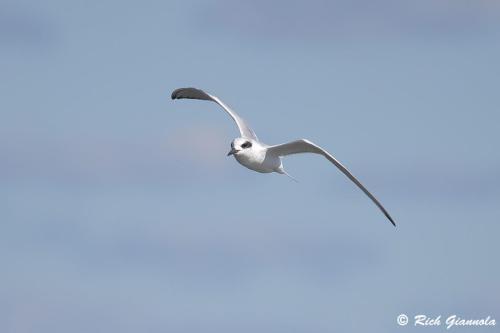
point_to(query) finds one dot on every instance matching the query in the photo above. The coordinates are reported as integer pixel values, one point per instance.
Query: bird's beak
(232, 152)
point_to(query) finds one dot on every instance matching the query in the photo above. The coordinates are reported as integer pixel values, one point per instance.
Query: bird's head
(240, 146)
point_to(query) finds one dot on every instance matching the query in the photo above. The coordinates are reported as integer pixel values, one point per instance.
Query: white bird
(260, 157)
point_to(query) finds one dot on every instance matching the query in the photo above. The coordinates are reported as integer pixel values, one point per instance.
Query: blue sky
(120, 211)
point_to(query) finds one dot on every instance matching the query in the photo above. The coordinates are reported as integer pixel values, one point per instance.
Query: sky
(121, 213)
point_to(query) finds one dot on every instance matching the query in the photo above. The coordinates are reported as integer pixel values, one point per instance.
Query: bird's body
(257, 156)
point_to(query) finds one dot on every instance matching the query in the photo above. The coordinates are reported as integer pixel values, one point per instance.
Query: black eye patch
(246, 145)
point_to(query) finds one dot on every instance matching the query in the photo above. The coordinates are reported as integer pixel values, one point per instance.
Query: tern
(260, 157)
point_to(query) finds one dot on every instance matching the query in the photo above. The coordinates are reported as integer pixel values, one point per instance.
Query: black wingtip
(390, 219)
(181, 93)
(191, 93)
(175, 93)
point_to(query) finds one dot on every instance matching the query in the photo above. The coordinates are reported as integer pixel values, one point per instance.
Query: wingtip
(190, 93)
(392, 221)
(389, 217)
(174, 94)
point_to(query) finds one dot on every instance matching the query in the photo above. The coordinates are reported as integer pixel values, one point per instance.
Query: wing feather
(305, 146)
(193, 93)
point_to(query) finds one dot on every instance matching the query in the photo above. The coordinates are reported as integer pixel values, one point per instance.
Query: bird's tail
(286, 173)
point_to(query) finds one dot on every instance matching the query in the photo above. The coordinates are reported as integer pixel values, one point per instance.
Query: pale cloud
(322, 20)
(203, 145)
(114, 159)
(22, 26)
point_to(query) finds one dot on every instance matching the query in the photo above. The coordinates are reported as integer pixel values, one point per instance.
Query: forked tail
(282, 171)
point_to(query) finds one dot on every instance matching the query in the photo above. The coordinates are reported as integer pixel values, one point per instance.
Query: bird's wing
(193, 93)
(305, 146)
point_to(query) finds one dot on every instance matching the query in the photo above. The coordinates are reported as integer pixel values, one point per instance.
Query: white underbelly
(259, 164)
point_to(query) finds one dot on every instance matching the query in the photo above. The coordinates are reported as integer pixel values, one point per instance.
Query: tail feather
(286, 173)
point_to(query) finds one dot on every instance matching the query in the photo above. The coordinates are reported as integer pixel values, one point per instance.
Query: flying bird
(260, 157)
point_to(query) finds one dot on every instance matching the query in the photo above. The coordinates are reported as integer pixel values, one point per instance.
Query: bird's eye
(246, 145)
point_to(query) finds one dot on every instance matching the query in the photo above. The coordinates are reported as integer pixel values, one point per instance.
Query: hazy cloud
(76, 160)
(24, 27)
(321, 20)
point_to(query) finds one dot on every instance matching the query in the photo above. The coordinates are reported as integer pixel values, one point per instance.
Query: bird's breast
(257, 161)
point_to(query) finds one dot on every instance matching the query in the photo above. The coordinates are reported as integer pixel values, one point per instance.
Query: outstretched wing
(305, 146)
(193, 93)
